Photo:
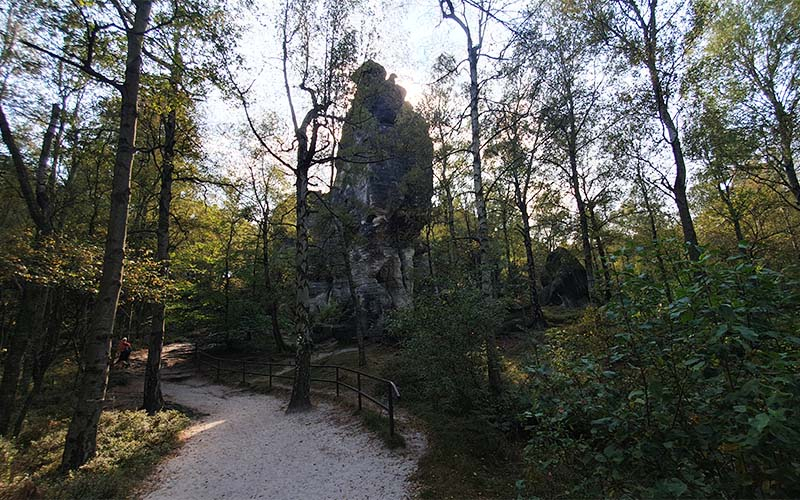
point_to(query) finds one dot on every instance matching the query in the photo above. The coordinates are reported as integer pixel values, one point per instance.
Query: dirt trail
(247, 447)
(321, 357)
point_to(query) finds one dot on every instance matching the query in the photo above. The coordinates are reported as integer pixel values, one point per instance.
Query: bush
(441, 372)
(443, 355)
(696, 397)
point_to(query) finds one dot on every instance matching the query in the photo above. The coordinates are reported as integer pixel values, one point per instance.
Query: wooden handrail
(392, 391)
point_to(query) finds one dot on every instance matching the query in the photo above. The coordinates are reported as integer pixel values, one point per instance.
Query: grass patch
(560, 315)
(379, 424)
(129, 445)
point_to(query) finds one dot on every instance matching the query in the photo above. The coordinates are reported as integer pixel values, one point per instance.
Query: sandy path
(247, 447)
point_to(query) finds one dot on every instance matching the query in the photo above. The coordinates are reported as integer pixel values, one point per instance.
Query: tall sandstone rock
(382, 195)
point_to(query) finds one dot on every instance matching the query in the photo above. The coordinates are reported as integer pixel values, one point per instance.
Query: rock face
(382, 195)
(564, 280)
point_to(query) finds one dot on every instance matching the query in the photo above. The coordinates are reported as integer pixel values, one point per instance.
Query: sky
(410, 36)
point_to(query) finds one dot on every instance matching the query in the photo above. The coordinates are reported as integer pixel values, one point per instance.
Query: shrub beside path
(245, 446)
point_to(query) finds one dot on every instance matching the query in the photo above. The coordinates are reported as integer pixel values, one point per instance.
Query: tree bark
(786, 127)
(34, 296)
(351, 285)
(725, 196)
(37, 200)
(507, 243)
(30, 319)
(583, 222)
(301, 387)
(227, 282)
(81, 442)
(492, 359)
(451, 219)
(272, 302)
(44, 352)
(537, 316)
(484, 266)
(679, 186)
(601, 253)
(571, 131)
(153, 398)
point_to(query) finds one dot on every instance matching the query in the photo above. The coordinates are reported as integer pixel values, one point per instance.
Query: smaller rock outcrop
(564, 280)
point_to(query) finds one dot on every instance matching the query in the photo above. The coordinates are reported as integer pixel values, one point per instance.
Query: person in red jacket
(124, 349)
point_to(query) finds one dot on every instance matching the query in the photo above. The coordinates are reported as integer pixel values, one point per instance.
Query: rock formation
(381, 198)
(564, 280)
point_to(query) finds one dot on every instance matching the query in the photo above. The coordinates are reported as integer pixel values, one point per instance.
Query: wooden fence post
(358, 378)
(337, 381)
(391, 409)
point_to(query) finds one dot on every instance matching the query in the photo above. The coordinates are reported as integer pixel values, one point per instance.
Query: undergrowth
(129, 444)
(474, 443)
(685, 390)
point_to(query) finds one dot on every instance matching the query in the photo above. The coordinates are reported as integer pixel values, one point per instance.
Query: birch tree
(475, 37)
(648, 35)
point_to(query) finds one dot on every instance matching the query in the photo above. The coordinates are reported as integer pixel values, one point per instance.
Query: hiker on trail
(124, 349)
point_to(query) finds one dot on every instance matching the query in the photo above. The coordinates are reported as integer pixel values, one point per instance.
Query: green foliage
(128, 446)
(443, 348)
(75, 265)
(694, 398)
(330, 313)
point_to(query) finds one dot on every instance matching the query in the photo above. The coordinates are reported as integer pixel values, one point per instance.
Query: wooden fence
(267, 369)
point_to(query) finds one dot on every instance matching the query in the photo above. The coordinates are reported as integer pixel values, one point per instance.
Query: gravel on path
(248, 447)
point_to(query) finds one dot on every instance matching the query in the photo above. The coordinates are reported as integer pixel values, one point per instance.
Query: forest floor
(244, 445)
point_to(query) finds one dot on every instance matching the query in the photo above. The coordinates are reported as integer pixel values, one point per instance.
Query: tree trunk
(34, 296)
(601, 252)
(36, 200)
(725, 196)
(30, 321)
(451, 220)
(537, 316)
(583, 222)
(571, 131)
(654, 235)
(431, 270)
(3, 324)
(786, 127)
(679, 187)
(359, 312)
(153, 399)
(44, 352)
(272, 302)
(301, 387)
(227, 283)
(81, 442)
(507, 243)
(351, 285)
(787, 219)
(791, 174)
(492, 360)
